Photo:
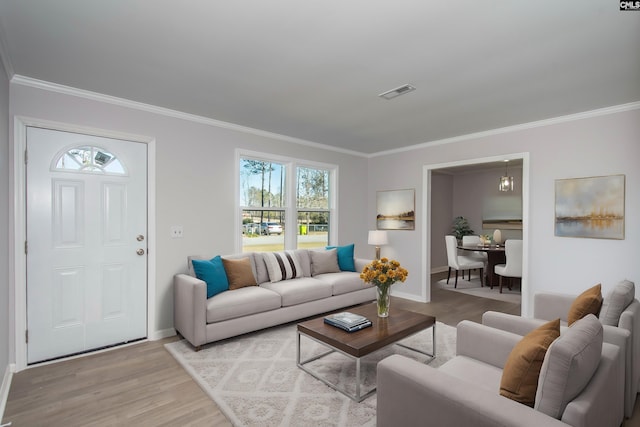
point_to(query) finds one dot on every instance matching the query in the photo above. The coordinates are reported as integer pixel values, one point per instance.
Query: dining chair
(513, 267)
(473, 240)
(461, 262)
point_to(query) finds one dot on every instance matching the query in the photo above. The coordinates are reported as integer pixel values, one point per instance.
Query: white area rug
(473, 288)
(255, 381)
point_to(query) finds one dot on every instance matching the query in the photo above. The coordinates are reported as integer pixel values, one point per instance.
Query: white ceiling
(312, 69)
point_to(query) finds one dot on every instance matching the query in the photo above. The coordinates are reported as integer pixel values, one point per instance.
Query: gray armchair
(620, 316)
(465, 390)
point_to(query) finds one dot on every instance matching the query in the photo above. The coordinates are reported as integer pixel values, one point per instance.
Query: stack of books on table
(348, 321)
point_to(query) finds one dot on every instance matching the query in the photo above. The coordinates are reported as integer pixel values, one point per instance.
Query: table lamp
(378, 238)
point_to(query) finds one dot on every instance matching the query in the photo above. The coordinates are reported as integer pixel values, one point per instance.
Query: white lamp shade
(378, 237)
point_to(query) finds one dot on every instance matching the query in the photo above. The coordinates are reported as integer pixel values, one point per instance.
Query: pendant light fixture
(506, 181)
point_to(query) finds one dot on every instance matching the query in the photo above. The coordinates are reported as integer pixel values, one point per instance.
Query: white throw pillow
(282, 265)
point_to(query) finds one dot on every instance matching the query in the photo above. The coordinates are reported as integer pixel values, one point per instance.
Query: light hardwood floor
(142, 385)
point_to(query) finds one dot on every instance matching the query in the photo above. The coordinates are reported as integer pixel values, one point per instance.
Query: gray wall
(441, 218)
(4, 222)
(593, 145)
(195, 177)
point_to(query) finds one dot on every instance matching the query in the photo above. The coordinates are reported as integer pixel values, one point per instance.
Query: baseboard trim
(4, 390)
(410, 297)
(439, 269)
(164, 333)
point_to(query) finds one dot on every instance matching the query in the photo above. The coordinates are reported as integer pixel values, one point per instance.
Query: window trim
(290, 209)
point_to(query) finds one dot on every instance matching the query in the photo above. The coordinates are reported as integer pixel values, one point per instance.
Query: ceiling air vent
(390, 94)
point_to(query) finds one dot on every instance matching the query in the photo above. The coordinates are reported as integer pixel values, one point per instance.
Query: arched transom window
(89, 159)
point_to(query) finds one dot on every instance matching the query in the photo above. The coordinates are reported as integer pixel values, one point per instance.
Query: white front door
(86, 200)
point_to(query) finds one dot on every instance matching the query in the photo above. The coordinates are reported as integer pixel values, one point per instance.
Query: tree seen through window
(264, 186)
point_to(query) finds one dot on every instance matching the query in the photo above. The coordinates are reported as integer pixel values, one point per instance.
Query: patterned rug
(255, 381)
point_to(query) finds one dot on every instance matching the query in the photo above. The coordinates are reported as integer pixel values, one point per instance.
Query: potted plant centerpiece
(383, 273)
(461, 228)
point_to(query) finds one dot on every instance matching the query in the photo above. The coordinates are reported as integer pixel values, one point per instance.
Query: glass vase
(382, 300)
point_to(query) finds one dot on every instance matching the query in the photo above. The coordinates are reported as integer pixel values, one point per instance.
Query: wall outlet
(177, 232)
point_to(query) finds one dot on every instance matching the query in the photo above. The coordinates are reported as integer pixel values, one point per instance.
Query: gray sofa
(580, 383)
(234, 312)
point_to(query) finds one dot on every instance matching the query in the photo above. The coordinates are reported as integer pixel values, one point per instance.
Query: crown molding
(4, 54)
(515, 128)
(95, 96)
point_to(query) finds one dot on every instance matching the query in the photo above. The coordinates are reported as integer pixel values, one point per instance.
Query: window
(312, 203)
(263, 201)
(283, 204)
(88, 159)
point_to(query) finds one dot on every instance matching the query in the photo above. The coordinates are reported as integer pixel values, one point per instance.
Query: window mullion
(291, 217)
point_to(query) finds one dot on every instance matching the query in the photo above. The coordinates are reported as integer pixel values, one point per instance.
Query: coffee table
(384, 332)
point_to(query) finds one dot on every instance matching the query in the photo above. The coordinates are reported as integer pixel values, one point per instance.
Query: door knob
(140, 238)
(140, 251)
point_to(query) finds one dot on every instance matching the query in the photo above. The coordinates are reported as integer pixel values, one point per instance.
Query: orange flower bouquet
(383, 273)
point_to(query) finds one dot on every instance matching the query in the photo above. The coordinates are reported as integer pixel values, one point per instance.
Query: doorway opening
(438, 190)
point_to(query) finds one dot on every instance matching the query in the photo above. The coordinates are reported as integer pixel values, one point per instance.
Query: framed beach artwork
(590, 207)
(395, 210)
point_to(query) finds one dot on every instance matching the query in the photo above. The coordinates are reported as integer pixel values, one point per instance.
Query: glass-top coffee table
(384, 332)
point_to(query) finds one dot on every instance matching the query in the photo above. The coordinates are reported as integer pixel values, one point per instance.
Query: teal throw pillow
(213, 273)
(345, 257)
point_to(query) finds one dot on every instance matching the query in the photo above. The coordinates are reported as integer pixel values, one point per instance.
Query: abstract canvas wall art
(590, 207)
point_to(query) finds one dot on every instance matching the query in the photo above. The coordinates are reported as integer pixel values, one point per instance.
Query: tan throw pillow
(239, 273)
(588, 302)
(520, 374)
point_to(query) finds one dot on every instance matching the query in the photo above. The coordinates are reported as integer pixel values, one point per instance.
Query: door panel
(86, 204)
(68, 212)
(68, 305)
(114, 211)
(113, 297)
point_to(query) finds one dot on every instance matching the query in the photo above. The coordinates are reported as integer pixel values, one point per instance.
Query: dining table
(495, 255)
